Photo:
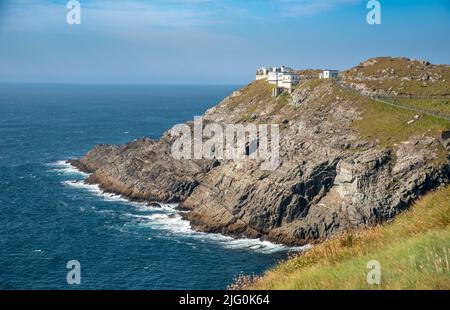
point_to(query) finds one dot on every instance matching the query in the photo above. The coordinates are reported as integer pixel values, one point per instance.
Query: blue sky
(209, 41)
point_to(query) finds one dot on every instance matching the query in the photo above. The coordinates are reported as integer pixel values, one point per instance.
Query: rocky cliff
(346, 161)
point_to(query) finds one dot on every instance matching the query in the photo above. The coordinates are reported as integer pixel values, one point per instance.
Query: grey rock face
(329, 179)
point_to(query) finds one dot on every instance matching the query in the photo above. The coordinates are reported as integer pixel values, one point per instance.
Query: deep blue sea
(48, 219)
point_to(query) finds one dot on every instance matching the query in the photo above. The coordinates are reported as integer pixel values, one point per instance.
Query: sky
(209, 41)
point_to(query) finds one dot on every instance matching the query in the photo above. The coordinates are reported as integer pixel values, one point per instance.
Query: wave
(63, 167)
(174, 223)
(165, 217)
(96, 190)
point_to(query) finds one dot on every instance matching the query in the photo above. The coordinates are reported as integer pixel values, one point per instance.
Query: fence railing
(393, 102)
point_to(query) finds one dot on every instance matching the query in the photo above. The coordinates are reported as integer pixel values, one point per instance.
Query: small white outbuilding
(328, 74)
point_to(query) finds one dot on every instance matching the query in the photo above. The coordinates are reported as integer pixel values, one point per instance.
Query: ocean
(49, 216)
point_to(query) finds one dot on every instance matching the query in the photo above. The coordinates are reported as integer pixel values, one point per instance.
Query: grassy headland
(413, 250)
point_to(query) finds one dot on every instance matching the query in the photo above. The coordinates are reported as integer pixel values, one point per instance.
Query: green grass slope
(413, 250)
(405, 76)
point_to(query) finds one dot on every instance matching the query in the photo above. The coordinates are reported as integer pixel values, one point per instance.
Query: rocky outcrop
(329, 179)
(143, 170)
(388, 76)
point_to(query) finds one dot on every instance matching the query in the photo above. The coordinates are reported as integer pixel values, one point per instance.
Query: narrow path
(390, 101)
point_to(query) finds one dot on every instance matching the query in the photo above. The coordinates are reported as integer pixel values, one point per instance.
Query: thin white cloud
(139, 16)
(29, 16)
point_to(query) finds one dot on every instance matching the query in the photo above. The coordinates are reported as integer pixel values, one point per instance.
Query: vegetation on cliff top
(346, 161)
(402, 75)
(388, 124)
(383, 124)
(413, 250)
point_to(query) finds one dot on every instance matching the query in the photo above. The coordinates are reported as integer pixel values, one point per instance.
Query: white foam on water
(63, 167)
(96, 190)
(168, 219)
(171, 223)
(175, 224)
(163, 207)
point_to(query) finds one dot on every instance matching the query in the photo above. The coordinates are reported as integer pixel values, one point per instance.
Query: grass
(413, 250)
(248, 113)
(415, 88)
(403, 68)
(436, 105)
(253, 98)
(310, 83)
(389, 125)
(257, 91)
(380, 123)
(282, 101)
(257, 97)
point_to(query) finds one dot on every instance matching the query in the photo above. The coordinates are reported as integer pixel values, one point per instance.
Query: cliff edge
(346, 159)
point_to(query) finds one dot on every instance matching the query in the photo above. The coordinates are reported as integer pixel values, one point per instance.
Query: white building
(328, 74)
(282, 77)
(273, 77)
(288, 80)
(262, 73)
